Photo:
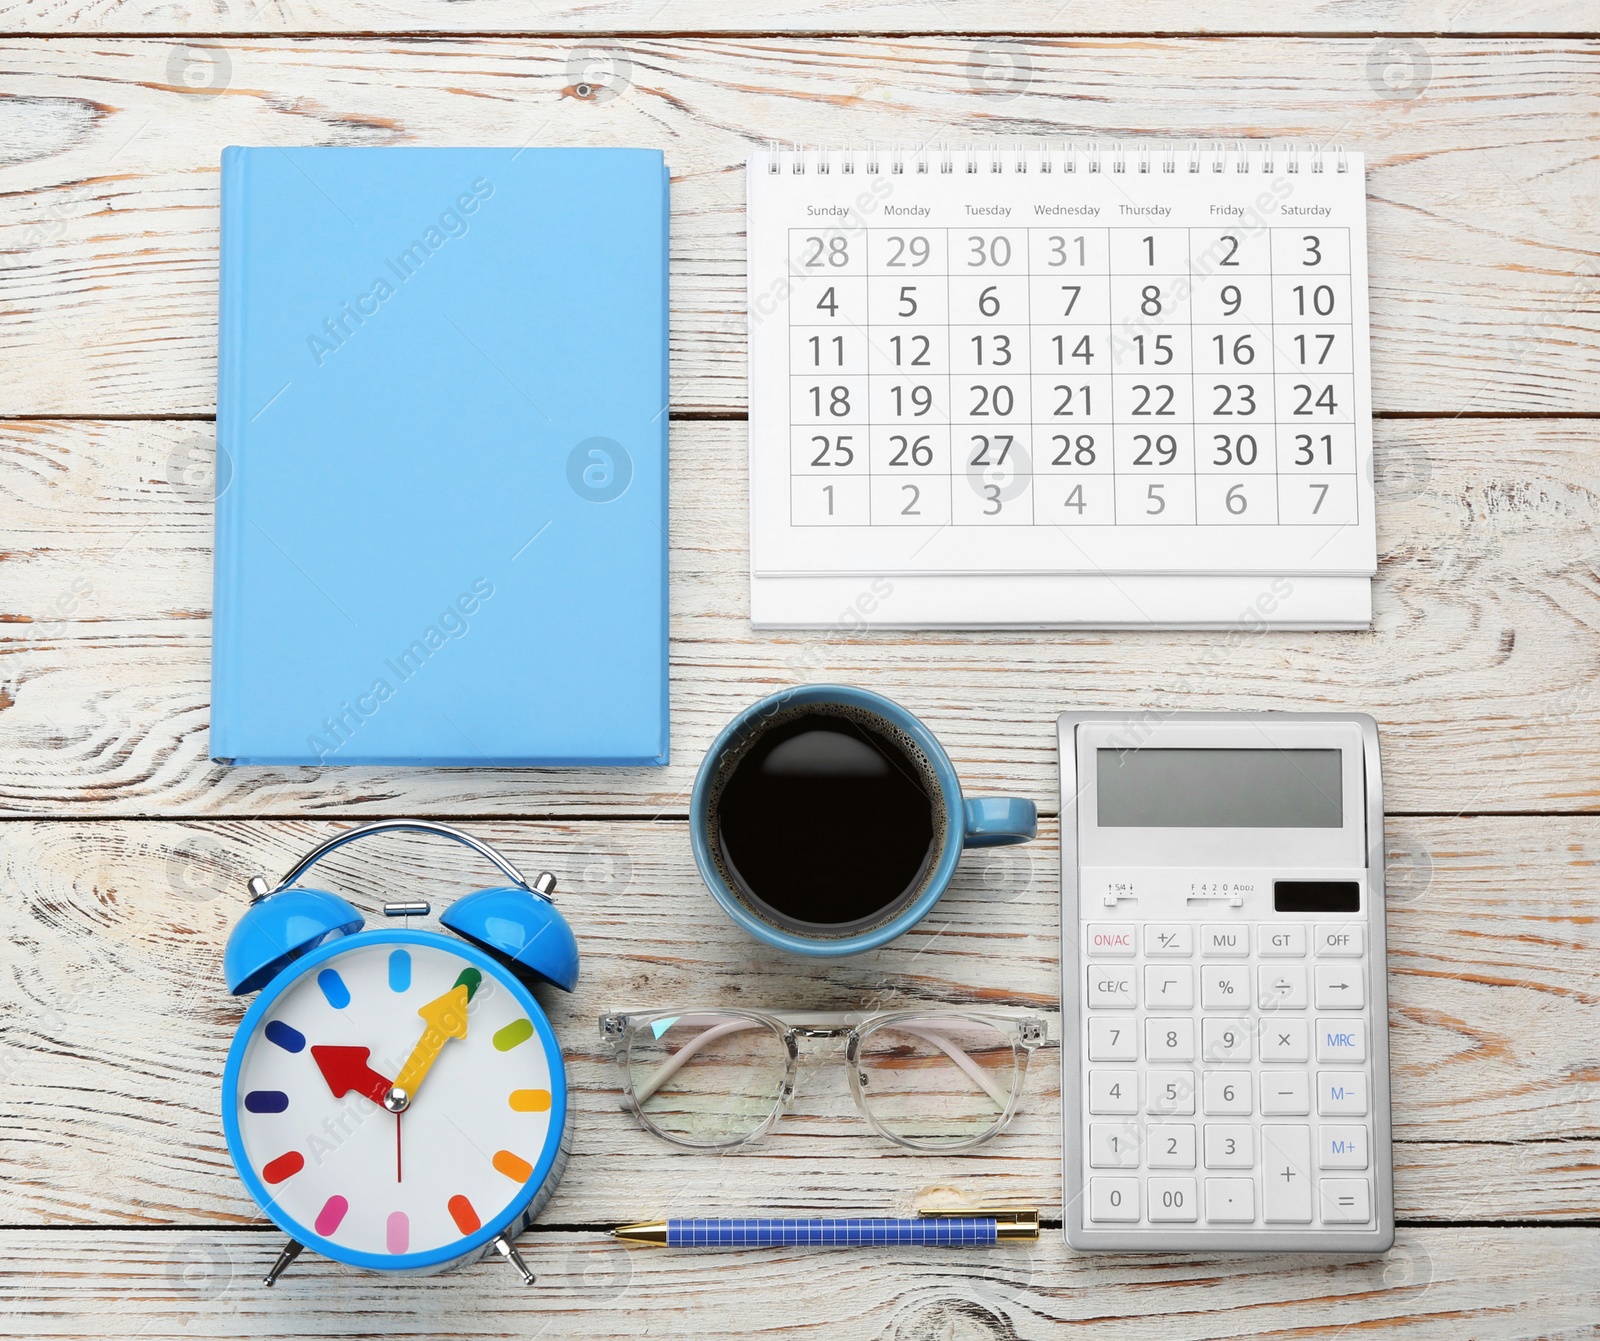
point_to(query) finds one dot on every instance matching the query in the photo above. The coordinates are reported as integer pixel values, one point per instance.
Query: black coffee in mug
(828, 819)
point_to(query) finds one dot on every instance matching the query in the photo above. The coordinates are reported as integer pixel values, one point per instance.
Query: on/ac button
(1111, 940)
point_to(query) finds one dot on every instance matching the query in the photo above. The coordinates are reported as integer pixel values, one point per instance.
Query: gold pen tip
(649, 1231)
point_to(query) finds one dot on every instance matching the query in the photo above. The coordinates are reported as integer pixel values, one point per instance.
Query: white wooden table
(123, 851)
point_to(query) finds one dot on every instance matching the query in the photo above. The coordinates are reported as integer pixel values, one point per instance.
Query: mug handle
(996, 821)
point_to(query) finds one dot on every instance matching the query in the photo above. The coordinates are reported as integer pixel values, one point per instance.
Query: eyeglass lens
(938, 1080)
(706, 1078)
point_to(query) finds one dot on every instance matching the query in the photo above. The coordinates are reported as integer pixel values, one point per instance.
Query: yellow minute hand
(446, 1018)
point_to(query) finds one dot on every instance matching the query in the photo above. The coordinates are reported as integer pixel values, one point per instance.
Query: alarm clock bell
(518, 925)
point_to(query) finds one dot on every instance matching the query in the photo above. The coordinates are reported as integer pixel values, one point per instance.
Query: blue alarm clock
(395, 1098)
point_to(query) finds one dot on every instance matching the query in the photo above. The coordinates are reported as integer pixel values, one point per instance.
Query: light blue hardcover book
(442, 458)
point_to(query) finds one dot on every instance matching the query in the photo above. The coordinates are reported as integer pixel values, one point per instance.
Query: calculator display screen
(1219, 789)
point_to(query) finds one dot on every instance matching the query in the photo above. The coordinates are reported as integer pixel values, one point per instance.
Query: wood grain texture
(1482, 187)
(1438, 1284)
(1481, 667)
(587, 17)
(116, 1024)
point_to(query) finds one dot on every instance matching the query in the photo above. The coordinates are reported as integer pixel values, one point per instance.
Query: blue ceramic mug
(957, 822)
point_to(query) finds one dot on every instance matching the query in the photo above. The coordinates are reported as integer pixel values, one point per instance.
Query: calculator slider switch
(1118, 891)
(1232, 900)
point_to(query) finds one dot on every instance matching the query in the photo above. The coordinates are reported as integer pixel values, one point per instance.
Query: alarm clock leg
(507, 1249)
(291, 1250)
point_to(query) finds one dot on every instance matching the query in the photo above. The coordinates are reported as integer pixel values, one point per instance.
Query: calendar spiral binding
(1261, 157)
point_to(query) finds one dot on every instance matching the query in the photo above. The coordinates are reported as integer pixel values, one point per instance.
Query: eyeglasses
(928, 1079)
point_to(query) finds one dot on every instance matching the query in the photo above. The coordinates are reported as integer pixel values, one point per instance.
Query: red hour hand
(346, 1069)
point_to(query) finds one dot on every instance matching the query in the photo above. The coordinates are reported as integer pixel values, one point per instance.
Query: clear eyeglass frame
(1024, 1033)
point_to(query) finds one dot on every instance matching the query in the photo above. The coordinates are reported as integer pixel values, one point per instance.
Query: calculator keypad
(1228, 1074)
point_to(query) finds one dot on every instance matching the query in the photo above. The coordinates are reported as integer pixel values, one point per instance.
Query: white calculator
(1225, 1060)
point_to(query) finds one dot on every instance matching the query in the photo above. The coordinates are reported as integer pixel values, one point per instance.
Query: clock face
(384, 1021)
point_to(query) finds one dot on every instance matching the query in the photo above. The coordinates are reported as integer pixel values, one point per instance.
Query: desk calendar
(1059, 364)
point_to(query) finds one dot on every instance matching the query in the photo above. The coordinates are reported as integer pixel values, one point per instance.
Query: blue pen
(966, 1227)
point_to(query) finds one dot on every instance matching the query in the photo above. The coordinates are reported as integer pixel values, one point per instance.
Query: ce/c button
(1111, 986)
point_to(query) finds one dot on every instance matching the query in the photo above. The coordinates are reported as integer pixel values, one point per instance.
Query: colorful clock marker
(400, 970)
(398, 1232)
(285, 1166)
(517, 1169)
(285, 1036)
(332, 1214)
(518, 1031)
(530, 1101)
(462, 1213)
(333, 988)
(266, 1101)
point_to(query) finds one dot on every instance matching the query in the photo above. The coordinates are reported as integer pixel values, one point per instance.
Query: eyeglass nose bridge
(792, 1035)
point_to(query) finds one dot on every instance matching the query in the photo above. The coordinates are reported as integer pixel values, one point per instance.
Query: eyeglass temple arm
(668, 1068)
(961, 1059)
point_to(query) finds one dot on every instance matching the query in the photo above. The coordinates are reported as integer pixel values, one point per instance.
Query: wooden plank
(1481, 666)
(1481, 186)
(1437, 1284)
(587, 17)
(116, 1023)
